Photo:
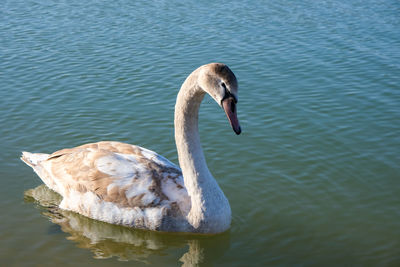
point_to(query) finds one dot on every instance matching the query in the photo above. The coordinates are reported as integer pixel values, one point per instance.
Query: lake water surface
(314, 179)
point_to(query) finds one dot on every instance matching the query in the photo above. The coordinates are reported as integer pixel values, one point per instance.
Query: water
(313, 180)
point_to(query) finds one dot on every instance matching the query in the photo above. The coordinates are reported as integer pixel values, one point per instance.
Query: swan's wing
(116, 182)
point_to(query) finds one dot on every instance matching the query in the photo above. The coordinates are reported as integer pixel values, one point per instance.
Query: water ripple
(313, 179)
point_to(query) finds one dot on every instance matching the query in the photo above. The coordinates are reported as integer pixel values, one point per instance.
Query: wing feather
(126, 176)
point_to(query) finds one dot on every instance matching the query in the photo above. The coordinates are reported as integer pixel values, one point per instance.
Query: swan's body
(128, 185)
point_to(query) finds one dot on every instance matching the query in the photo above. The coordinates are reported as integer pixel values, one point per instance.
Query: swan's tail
(32, 159)
(39, 164)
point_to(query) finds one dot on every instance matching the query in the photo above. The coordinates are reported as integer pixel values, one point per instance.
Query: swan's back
(117, 183)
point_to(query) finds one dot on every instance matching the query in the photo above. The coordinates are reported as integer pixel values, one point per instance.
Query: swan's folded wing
(123, 175)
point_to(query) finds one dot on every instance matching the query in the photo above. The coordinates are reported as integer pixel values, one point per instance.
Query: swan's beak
(229, 106)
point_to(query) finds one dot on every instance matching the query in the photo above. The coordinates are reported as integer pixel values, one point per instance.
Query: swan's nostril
(233, 107)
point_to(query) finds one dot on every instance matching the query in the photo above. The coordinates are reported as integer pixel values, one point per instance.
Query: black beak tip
(238, 131)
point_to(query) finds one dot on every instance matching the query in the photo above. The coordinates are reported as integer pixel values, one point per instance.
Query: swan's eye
(227, 95)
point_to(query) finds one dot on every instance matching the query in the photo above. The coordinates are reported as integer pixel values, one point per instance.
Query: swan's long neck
(210, 210)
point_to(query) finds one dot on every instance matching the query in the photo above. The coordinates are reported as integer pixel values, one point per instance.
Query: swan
(128, 185)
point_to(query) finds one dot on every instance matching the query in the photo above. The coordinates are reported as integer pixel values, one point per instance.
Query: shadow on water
(107, 240)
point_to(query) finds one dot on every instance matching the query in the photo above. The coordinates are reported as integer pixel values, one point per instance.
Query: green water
(313, 180)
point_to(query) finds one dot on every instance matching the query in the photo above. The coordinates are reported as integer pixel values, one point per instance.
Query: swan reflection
(107, 240)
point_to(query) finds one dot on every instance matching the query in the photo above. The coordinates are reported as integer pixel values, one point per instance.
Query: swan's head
(220, 83)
